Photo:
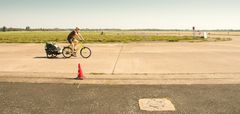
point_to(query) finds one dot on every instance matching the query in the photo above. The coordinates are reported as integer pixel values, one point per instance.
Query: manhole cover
(156, 105)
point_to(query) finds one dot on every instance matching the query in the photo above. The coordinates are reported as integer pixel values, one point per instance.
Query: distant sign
(205, 35)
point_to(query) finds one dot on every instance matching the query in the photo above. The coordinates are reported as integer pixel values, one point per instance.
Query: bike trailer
(52, 49)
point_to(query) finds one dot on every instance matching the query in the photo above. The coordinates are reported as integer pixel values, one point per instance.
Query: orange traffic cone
(80, 73)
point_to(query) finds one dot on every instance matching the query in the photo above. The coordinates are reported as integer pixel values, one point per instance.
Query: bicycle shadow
(44, 57)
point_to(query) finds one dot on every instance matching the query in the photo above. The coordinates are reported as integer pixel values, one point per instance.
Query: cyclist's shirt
(72, 34)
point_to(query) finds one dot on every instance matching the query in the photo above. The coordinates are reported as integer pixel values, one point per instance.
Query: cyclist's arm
(80, 37)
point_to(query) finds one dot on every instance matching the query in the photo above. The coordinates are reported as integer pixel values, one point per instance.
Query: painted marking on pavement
(156, 104)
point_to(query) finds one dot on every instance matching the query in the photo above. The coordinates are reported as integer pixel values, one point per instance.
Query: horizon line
(113, 28)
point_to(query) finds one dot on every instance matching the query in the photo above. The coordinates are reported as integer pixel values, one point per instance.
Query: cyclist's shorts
(70, 40)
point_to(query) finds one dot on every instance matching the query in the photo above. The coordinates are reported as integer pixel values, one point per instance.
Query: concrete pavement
(200, 78)
(136, 59)
(206, 57)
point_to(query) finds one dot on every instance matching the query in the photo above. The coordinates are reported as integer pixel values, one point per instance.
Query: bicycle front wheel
(85, 52)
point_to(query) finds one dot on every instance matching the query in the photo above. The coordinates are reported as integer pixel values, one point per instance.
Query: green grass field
(91, 37)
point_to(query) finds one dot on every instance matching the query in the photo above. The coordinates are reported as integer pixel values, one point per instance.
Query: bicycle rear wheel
(67, 52)
(85, 52)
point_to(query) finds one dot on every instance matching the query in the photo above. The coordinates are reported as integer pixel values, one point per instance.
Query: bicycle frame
(78, 44)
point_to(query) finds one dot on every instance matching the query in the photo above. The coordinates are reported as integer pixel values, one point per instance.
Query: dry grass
(126, 36)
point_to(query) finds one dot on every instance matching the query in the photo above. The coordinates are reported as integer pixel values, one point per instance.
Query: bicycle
(68, 51)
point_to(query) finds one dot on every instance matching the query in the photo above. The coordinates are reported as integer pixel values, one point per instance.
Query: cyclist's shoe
(74, 54)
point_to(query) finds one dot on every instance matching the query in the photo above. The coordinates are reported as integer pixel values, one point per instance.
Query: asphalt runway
(23, 98)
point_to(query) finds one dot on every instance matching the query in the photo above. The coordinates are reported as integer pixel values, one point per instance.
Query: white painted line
(156, 104)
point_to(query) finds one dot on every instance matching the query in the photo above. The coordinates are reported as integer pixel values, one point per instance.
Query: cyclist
(72, 36)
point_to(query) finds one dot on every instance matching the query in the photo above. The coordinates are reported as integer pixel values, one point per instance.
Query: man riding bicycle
(72, 38)
(71, 50)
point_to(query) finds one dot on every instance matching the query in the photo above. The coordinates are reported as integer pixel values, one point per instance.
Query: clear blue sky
(162, 14)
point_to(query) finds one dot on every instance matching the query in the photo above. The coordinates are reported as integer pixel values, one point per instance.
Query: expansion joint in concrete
(117, 59)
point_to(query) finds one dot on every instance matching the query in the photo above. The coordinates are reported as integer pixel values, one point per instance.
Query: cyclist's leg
(75, 42)
(70, 41)
(72, 46)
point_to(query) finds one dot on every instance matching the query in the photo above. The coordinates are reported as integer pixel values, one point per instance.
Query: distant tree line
(28, 28)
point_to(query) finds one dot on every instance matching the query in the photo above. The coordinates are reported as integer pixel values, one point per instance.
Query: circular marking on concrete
(156, 104)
